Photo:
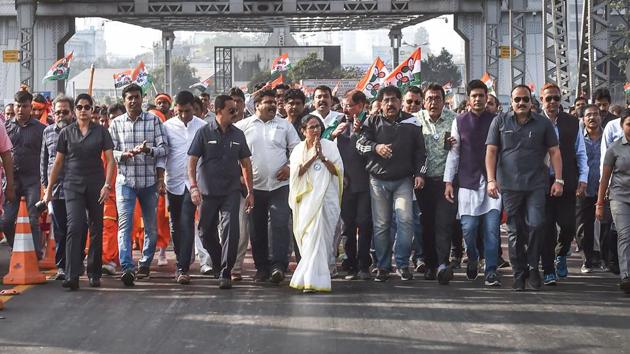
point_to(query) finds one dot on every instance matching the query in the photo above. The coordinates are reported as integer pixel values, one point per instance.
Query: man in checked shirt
(139, 142)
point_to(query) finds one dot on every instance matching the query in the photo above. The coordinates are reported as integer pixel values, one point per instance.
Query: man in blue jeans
(466, 161)
(139, 142)
(26, 137)
(394, 147)
(520, 140)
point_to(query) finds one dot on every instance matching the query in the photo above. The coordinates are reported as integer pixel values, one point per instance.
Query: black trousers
(356, 214)
(271, 215)
(585, 227)
(78, 200)
(438, 222)
(182, 225)
(560, 213)
(60, 228)
(220, 213)
(525, 220)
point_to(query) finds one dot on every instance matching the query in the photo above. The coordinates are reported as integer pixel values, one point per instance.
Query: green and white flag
(60, 69)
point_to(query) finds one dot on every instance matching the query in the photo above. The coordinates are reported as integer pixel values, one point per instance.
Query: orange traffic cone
(23, 269)
(49, 257)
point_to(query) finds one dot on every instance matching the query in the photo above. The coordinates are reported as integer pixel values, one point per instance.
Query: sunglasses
(64, 112)
(87, 107)
(517, 99)
(552, 98)
(416, 102)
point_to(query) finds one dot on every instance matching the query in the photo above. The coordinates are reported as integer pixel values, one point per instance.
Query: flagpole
(154, 88)
(91, 82)
(115, 91)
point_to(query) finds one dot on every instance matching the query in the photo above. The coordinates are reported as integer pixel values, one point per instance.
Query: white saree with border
(315, 199)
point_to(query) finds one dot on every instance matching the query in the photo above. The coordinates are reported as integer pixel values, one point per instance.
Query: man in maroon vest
(466, 162)
(560, 210)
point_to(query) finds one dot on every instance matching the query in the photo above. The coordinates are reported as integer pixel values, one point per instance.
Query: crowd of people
(405, 184)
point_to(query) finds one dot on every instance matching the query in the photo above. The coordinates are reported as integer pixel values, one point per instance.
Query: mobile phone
(447, 136)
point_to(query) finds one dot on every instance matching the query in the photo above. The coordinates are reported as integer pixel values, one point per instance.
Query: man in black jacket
(394, 147)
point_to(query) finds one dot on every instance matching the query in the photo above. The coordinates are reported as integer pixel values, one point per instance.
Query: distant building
(88, 45)
(103, 85)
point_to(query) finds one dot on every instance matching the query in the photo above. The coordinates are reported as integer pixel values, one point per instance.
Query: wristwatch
(559, 181)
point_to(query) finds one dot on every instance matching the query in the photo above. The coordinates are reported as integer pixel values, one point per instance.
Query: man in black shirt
(356, 213)
(26, 136)
(222, 152)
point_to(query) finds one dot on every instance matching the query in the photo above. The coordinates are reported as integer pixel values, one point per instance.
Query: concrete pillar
(26, 21)
(168, 37)
(471, 28)
(51, 35)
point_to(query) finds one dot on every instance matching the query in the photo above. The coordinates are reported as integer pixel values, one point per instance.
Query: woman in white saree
(315, 188)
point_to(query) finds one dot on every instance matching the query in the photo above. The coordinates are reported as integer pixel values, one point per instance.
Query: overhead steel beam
(555, 42)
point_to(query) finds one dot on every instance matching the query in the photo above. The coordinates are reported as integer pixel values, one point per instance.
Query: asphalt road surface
(583, 314)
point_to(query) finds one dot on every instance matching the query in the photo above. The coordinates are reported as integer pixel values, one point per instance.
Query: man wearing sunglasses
(63, 111)
(412, 100)
(217, 158)
(271, 139)
(521, 140)
(25, 133)
(561, 209)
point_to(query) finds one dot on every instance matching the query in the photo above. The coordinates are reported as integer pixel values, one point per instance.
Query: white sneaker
(162, 261)
(205, 269)
(109, 269)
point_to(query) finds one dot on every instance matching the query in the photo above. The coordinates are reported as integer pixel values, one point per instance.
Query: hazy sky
(121, 44)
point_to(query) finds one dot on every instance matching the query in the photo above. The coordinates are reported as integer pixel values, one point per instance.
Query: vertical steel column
(222, 69)
(517, 41)
(594, 48)
(555, 41)
(26, 20)
(167, 41)
(395, 36)
(491, 22)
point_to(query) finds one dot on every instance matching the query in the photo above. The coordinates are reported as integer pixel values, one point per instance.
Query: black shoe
(404, 273)
(128, 277)
(624, 285)
(95, 282)
(61, 274)
(429, 274)
(492, 279)
(456, 263)
(143, 272)
(381, 275)
(519, 283)
(502, 263)
(445, 275)
(72, 284)
(533, 279)
(352, 275)
(613, 267)
(261, 276)
(225, 283)
(472, 270)
(421, 267)
(277, 275)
